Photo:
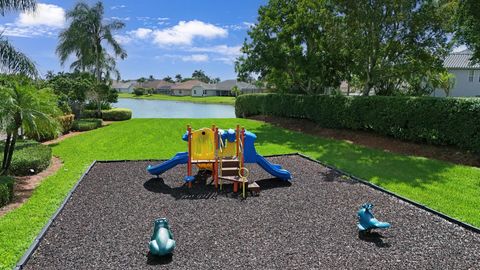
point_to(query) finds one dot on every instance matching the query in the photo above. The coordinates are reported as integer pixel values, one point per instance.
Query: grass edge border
(32, 248)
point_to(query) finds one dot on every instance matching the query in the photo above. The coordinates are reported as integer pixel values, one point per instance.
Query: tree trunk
(10, 152)
(6, 151)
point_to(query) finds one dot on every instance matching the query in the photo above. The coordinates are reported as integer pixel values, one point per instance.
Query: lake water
(143, 108)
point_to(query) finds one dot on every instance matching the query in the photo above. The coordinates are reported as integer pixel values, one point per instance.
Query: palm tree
(22, 106)
(11, 60)
(85, 38)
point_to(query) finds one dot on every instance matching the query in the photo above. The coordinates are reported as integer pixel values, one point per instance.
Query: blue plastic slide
(179, 158)
(273, 169)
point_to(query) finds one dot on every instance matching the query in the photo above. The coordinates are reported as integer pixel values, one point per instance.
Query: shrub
(66, 122)
(89, 114)
(6, 190)
(442, 121)
(29, 157)
(86, 124)
(117, 114)
(139, 91)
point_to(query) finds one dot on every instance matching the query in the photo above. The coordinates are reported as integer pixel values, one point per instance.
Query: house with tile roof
(124, 87)
(186, 88)
(224, 88)
(467, 75)
(158, 86)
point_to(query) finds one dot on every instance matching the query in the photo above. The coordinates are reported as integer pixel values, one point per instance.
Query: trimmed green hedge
(442, 121)
(6, 190)
(117, 114)
(86, 124)
(29, 157)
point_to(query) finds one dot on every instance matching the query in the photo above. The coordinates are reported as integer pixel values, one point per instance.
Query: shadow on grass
(370, 164)
(159, 260)
(373, 237)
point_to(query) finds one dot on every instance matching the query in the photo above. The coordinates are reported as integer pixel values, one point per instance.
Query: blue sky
(162, 37)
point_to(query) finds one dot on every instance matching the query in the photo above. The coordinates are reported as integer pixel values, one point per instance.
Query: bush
(86, 124)
(139, 91)
(6, 190)
(29, 157)
(442, 121)
(89, 114)
(66, 122)
(117, 114)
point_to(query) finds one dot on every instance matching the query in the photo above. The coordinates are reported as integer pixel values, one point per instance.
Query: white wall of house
(467, 84)
(198, 91)
(181, 92)
(125, 90)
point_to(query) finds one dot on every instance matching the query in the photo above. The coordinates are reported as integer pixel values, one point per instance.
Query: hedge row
(6, 190)
(442, 121)
(116, 114)
(86, 124)
(29, 157)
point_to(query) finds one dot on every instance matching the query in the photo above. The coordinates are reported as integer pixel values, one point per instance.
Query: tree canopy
(87, 37)
(468, 26)
(311, 46)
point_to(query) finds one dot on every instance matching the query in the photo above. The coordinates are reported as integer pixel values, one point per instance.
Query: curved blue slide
(273, 169)
(179, 158)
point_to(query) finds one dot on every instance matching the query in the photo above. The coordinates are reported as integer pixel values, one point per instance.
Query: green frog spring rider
(161, 242)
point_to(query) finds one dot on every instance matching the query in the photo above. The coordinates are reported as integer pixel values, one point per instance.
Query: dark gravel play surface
(310, 224)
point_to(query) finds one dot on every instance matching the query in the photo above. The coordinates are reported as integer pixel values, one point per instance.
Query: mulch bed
(372, 140)
(311, 223)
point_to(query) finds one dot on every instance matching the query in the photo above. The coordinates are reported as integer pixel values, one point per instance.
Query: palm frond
(17, 5)
(15, 62)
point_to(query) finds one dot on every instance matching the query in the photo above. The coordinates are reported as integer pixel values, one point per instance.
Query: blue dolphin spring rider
(161, 242)
(366, 220)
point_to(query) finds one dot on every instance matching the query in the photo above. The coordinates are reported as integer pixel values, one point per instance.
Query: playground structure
(366, 220)
(224, 153)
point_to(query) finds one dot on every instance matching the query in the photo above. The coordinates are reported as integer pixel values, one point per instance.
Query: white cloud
(184, 32)
(195, 58)
(141, 33)
(45, 22)
(224, 53)
(119, 18)
(117, 7)
(123, 39)
(44, 15)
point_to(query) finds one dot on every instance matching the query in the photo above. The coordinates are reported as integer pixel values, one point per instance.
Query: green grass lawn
(451, 189)
(213, 99)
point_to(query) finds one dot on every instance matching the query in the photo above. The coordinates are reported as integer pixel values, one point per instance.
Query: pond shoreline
(149, 108)
(200, 100)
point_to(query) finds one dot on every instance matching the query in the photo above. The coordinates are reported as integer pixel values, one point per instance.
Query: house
(224, 88)
(467, 75)
(124, 87)
(158, 86)
(186, 88)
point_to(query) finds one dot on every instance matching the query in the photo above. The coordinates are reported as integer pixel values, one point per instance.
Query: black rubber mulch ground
(309, 224)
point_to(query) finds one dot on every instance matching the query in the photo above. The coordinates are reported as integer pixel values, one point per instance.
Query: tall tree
(295, 47)
(87, 37)
(468, 26)
(178, 78)
(11, 60)
(22, 106)
(393, 43)
(168, 79)
(201, 76)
